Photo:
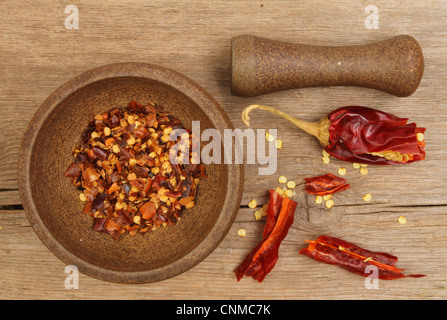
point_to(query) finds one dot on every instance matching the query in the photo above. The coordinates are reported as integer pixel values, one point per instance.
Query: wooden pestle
(261, 66)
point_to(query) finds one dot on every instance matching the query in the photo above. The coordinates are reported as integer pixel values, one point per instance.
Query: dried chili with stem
(353, 258)
(360, 134)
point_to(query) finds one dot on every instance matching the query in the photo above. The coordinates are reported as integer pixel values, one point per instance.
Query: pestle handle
(261, 66)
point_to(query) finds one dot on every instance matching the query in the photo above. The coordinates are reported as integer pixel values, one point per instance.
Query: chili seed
(367, 197)
(288, 193)
(279, 191)
(282, 179)
(356, 165)
(420, 136)
(252, 204)
(329, 203)
(82, 197)
(342, 171)
(131, 119)
(402, 220)
(241, 233)
(107, 131)
(155, 170)
(326, 160)
(363, 171)
(269, 137)
(95, 135)
(258, 214)
(318, 199)
(327, 197)
(291, 184)
(278, 144)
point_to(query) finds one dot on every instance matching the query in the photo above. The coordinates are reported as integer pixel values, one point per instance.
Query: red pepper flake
(353, 258)
(326, 184)
(121, 165)
(261, 260)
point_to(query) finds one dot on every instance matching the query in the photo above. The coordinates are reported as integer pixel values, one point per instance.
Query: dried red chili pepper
(261, 260)
(361, 134)
(353, 258)
(326, 184)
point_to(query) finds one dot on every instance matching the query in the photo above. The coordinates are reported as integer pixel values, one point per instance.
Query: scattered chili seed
(326, 160)
(367, 197)
(291, 184)
(279, 191)
(318, 199)
(258, 214)
(356, 165)
(282, 179)
(342, 171)
(241, 233)
(278, 144)
(363, 171)
(402, 220)
(329, 203)
(252, 204)
(269, 137)
(288, 193)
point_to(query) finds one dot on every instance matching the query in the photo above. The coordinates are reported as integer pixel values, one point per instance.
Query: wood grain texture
(37, 55)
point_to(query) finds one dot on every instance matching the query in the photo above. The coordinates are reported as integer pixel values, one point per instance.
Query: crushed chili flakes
(123, 168)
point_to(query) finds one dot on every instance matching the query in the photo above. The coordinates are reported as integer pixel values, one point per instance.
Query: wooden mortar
(261, 66)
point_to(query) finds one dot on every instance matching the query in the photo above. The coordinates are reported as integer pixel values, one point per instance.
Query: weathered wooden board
(38, 54)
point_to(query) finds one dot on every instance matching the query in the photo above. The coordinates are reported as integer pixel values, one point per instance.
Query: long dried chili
(361, 134)
(261, 260)
(325, 184)
(353, 258)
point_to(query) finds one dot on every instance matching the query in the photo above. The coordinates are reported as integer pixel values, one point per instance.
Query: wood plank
(25, 262)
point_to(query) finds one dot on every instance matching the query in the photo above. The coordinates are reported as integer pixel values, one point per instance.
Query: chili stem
(319, 129)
